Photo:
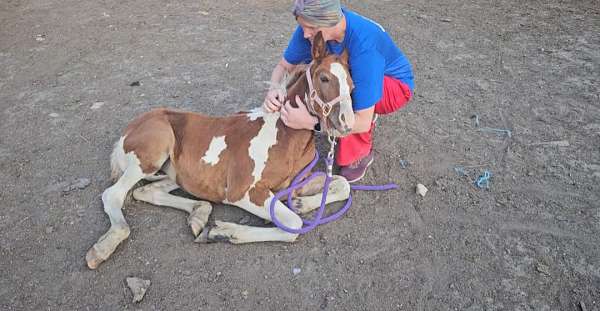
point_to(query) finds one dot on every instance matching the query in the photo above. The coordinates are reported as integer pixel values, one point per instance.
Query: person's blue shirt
(372, 54)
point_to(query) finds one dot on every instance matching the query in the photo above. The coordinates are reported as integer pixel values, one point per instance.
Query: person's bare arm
(362, 120)
(275, 96)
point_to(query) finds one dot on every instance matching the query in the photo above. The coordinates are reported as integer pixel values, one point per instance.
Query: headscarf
(321, 13)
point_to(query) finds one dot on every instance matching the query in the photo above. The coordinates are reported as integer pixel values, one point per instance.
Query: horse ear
(344, 57)
(318, 47)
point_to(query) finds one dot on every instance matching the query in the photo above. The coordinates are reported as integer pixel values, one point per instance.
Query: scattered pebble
(97, 105)
(40, 38)
(138, 287)
(49, 229)
(245, 294)
(296, 271)
(446, 20)
(54, 115)
(421, 190)
(542, 268)
(203, 13)
(135, 83)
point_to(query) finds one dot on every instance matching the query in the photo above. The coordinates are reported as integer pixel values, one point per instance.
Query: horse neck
(304, 138)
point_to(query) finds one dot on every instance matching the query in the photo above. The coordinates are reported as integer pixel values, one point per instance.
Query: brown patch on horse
(152, 126)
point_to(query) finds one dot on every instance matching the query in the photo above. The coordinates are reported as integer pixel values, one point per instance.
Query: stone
(138, 288)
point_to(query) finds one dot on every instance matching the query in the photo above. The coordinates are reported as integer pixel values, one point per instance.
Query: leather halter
(313, 97)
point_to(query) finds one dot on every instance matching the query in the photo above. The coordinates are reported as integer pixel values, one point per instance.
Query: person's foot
(355, 171)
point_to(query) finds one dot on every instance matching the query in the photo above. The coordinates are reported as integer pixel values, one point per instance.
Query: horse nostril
(343, 118)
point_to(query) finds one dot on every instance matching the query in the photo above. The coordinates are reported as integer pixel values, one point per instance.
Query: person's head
(318, 15)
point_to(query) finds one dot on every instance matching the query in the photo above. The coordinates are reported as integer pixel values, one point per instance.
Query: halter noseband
(313, 97)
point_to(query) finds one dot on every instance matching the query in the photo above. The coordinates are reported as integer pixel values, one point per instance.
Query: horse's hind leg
(113, 199)
(308, 198)
(157, 193)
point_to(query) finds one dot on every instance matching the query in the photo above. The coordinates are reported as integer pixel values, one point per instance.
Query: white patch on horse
(216, 146)
(346, 105)
(338, 70)
(256, 113)
(261, 143)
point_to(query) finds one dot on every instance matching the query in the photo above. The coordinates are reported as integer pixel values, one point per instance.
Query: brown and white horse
(240, 160)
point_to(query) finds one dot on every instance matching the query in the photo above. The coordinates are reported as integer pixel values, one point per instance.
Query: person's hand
(297, 118)
(273, 100)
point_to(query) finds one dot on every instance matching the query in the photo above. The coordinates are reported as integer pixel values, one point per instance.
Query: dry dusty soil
(73, 73)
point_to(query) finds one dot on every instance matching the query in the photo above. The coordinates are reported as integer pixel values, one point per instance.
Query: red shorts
(356, 146)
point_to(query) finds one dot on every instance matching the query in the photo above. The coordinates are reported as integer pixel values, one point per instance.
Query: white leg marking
(339, 190)
(216, 146)
(157, 193)
(260, 145)
(113, 198)
(238, 234)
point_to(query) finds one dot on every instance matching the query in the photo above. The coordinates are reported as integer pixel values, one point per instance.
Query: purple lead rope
(298, 182)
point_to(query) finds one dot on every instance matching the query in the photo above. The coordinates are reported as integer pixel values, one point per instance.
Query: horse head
(326, 89)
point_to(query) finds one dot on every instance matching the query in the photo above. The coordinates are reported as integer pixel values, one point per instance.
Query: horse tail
(118, 160)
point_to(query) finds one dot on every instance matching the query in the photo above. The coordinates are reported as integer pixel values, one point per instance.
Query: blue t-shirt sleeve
(367, 71)
(298, 50)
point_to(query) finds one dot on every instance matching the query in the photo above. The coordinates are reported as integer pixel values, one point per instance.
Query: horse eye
(324, 79)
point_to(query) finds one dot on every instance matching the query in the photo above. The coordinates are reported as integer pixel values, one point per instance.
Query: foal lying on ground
(240, 160)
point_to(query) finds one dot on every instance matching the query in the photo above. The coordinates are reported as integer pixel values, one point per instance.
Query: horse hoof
(93, 259)
(197, 220)
(203, 237)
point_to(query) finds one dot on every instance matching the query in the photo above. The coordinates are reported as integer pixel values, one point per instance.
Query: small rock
(138, 287)
(296, 271)
(203, 13)
(542, 268)
(40, 38)
(54, 115)
(97, 105)
(135, 83)
(49, 229)
(421, 190)
(245, 294)
(446, 20)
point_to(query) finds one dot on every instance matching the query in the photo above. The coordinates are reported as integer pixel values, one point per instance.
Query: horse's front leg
(238, 234)
(308, 198)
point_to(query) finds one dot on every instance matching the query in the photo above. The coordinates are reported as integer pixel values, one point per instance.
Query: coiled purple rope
(297, 182)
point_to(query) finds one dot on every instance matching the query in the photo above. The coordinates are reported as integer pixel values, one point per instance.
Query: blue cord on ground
(484, 180)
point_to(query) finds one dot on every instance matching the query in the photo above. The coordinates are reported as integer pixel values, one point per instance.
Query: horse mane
(293, 77)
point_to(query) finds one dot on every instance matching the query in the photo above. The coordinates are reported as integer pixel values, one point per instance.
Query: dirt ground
(68, 73)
